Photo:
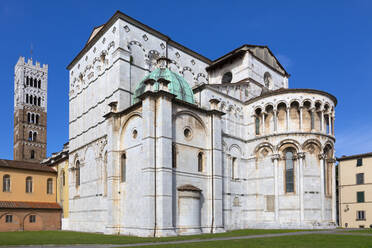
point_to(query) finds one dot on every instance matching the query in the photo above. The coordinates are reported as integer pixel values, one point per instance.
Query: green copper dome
(177, 86)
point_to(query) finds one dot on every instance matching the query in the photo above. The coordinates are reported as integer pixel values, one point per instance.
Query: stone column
(163, 169)
(312, 121)
(322, 189)
(329, 123)
(275, 159)
(334, 196)
(263, 123)
(275, 111)
(322, 122)
(301, 157)
(288, 119)
(301, 124)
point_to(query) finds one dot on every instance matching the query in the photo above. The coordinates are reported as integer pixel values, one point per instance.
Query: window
(32, 218)
(123, 168)
(31, 100)
(6, 183)
(360, 196)
(289, 172)
(28, 117)
(31, 81)
(35, 82)
(26, 98)
(227, 77)
(50, 186)
(359, 162)
(257, 125)
(200, 162)
(29, 185)
(30, 136)
(39, 84)
(8, 218)
(27, 81)
(233, 168)
(37, 119)
(39, 101)
(63, 178)
(77, 174)
(267, 80)
(34, 136)
(32, 155)
(174, 156)
(32, 118)
(361, 215)
(360, 178)
(35, 100)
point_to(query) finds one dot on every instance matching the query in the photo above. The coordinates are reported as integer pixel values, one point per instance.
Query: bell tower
(30, 110)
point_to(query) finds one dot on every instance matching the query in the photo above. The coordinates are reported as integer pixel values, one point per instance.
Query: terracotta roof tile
(26, 205)
(25, 165)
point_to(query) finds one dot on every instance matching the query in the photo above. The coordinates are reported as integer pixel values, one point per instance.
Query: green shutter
(360, 196)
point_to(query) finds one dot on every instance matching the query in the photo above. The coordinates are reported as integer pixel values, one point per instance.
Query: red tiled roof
(25, 165)
(26, 205)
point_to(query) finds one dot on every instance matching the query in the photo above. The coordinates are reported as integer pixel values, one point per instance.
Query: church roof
(15, 164)
(177, 86)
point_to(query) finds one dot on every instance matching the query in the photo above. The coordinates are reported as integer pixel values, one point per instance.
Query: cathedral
(164, 141)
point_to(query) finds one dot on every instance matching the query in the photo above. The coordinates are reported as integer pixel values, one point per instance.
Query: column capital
(275, 157)
(331, 160)
(321, 156)
(301, 155)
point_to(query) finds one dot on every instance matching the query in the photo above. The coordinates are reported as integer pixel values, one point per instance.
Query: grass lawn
(362, 230)
(65, 237)
(301, 241)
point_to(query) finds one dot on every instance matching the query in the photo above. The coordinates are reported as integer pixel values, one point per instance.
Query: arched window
(28, 117)
(39, 101)
(77, 174)
(30, 136)
(35, 100)
(50, 186)
(289, 171)
(34, 136)
(32, 155)
(26, 98)
(35, 82)
(28, 184)
(227, 77)
(32, 118)
(27, 81)
(200, 162)
(6, 183)
(37, 119)
(123, 168)
(267, 80)
(257, 125)
(39, 84)
(31, 100)
(31, 82)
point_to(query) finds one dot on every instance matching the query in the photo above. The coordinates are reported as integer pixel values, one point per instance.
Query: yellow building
(355, 191)
(59, 161)
(28, 197)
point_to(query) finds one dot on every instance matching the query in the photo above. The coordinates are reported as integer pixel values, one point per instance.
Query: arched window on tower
(27, 81)
(35, 100)
(77, 174)
(289, 171)
(32, 155)
(32, 118)
(200, 162)
(34, 136)
(30, 136)
(35, 82)
(31, 82)
(28, 117)
(37, 119)
(39, 84)
(26, 98)
(38, 101)
(123, 168)
(28, 184)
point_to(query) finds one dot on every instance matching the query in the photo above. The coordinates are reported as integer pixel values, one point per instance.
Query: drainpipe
(212, 163)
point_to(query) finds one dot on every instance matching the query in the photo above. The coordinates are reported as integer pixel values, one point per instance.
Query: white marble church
(164, 141)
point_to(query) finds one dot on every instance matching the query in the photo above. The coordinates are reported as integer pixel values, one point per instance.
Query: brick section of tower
(30, 116)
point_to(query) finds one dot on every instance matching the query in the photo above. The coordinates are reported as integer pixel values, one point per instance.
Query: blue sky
(325, 45)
